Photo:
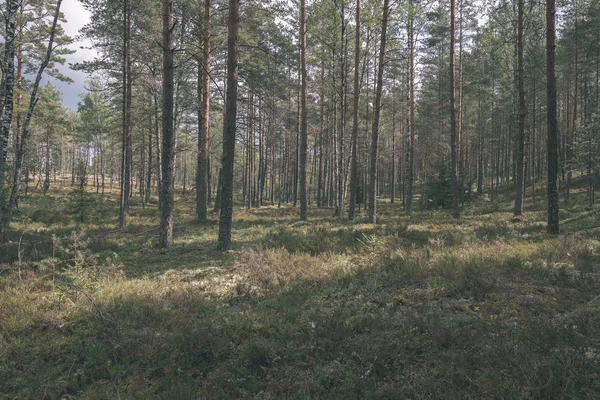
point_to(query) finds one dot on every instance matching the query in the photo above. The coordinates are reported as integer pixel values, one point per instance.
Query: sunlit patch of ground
(420, 306)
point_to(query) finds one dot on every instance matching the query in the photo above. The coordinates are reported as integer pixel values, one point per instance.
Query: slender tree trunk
(393, 175)
(102, 167)
(571, 135)
(73, 156)
(246, 158)
(142, 171)
(480, 171)
(339, 204)
(368, 123)
(520, 164)
(168, 139)
(297, 152)
(326, 163)
(149, 171)
(376, 116)
(229, 127)
(453, 121)
(533, 143)
(126, 143)
(250, 149)
(273, 163)
(47, 166)
(552, 143)
(303, 114)
(204, 119)
(157, 136)
(411, 106)
(8, 78)
(182, 178)
(263, 147)
(209, 183)
(354, 163)
(462, 157)
(321, 137)
(19, 94)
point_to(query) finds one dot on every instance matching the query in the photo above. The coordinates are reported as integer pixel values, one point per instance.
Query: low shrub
(276, 269)
(491, 231)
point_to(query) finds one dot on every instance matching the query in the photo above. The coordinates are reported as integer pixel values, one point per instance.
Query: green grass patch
(419, 306)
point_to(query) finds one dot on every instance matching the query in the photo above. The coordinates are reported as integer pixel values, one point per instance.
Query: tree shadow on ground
(368, 333)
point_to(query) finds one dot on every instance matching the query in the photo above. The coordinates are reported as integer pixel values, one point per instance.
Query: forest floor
(419, 306)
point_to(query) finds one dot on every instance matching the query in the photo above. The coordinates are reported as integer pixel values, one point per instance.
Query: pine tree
(229, 127)
(552, 142)
(377, 115)
(168, 139)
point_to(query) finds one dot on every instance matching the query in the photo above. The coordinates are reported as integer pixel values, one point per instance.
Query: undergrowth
(420, 306)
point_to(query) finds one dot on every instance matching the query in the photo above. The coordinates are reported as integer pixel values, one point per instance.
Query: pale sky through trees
(76, 17)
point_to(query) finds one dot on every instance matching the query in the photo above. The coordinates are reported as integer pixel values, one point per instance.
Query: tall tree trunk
(263, 146)
(393, 175)
(157, 137)
(149, 171)
(127, 95)
(168, 139)
(142, 171)
(376, 117)
(8, 78)
(326, 162)
(303, 113)
(204, 119)
(533, 143)
(453, 120)
(19, 94)
(520, 164)
(229, 128)
(411, 107)
(462, 158)
(102, 167)
(571, 135)
(250, 149)
(12, 203)
(480, 125)
(297, 152)
(321, 138)
(341, 130)
(354, 162)
(552, 142)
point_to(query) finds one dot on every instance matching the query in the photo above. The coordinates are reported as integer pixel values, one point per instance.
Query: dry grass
(278, 269)
(416, 307)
